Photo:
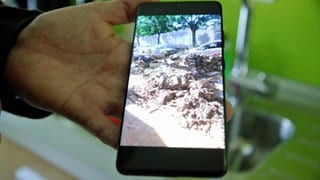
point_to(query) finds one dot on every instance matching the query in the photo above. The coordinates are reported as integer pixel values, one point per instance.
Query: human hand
(70, 61)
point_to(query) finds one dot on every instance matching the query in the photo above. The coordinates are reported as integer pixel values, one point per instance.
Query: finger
(110, 133)
(118, 11)
(104, 128)
(114, 109)
(229, 110)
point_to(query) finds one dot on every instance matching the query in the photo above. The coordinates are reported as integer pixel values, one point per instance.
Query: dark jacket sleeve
(12, 22)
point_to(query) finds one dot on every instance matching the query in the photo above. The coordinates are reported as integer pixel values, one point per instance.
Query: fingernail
(114, 120)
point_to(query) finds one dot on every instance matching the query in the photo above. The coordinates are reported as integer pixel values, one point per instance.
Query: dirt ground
(163, 129)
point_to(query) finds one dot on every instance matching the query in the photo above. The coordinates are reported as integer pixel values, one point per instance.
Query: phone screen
(175, 93)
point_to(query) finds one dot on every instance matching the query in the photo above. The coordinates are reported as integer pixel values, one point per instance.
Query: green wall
(284, 37)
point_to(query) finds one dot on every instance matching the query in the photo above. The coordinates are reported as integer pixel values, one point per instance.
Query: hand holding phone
(174, 115)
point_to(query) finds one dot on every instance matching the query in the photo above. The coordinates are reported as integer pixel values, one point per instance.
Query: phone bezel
(163, 161)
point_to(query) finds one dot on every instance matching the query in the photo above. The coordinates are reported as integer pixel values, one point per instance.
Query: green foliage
(151, 25)
(157, 25)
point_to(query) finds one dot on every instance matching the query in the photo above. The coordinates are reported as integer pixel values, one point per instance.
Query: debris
(189, 83)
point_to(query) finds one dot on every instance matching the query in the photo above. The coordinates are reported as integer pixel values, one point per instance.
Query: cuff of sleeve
(12, 22)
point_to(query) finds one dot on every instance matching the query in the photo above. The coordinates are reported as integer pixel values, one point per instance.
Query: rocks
(165, 97)
(202, 89)
(198, 113)
(143, 58)
(177, 82)
(173, 82)
(191, 84)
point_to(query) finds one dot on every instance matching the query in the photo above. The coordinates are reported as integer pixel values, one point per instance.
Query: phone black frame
(168, 161)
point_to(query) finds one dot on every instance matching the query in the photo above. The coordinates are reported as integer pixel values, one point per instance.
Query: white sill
(65, 145)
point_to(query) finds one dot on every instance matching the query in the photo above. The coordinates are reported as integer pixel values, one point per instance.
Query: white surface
(27, 173)
(64, 144)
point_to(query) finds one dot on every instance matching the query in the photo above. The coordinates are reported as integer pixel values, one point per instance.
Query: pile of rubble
(191, 84)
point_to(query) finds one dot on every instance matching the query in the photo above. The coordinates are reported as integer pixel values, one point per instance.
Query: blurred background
(272, 57)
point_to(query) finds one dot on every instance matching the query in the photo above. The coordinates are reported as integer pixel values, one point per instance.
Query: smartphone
(174, 113)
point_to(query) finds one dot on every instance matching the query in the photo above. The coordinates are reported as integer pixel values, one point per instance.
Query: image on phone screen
(175, 95)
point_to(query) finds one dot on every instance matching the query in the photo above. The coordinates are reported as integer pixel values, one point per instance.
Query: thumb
(118, 11)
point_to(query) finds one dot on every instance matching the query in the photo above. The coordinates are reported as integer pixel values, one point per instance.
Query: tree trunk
(138, 40)
(194, 36)
(158, 41)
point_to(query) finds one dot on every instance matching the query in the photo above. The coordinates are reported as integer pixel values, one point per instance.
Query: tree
(194, 22)
(154, 25)
(142, 28)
